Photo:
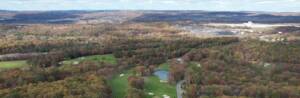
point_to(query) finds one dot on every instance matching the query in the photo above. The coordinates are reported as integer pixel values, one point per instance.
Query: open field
(164, 66)
(119, 84)
(153, 85)
(108, 58)
(158, 88)
(12, 64)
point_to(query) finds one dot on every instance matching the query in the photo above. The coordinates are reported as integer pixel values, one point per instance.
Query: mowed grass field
(12, 64)
(153, 85)
(164, 66)
(120, 85)
(108, 58)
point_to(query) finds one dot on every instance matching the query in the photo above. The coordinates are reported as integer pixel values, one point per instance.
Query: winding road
(179, 90)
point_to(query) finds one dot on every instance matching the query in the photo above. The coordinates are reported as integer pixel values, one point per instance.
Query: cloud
(228, 5)
(277, 1)
(125, 1)
(292, 0)
(169, 1)
(266, 2)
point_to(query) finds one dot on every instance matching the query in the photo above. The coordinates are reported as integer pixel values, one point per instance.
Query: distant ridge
(75, 16)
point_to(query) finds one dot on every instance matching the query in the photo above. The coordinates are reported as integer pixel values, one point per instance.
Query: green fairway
(12, 64)
(109, 58)
(119, 84)
(153, 85)
(194, 64)
(164, 66)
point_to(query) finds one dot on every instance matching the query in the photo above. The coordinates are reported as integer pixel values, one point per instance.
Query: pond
(162, 74)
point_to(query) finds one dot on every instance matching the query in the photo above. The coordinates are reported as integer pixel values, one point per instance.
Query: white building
(249, 24)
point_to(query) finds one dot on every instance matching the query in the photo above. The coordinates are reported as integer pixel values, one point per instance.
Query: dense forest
(247, 69)
(219, 67)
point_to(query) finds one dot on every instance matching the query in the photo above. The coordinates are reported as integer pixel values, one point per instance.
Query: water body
(162, 74)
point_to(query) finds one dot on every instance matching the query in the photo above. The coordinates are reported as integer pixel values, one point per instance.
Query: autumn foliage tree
(135, 93)
(177, 72)
(136, 82)
(52, 59)
(136, 87)
(140, 70)
(90, 86)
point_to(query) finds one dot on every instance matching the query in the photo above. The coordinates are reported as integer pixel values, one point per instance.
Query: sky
(210, 5)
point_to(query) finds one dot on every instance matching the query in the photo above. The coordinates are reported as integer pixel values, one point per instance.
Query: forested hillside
(126, 60)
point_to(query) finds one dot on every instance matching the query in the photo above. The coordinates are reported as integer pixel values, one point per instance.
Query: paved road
(179, 89)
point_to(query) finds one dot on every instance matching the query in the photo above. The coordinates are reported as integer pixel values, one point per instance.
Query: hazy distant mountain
(113, 16)
(223, 17)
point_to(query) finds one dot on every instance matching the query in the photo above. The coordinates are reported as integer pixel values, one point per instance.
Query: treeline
(55, 56)
(287, 29)
(85, 86)
(221, 72)
(136, 87)
(268, 52)
(152, 52)
(45, 46)
(32, 75)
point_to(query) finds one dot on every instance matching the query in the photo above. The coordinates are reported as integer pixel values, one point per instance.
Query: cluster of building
(272, 39)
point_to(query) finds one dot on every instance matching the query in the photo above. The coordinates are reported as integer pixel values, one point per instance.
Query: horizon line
(146, 10)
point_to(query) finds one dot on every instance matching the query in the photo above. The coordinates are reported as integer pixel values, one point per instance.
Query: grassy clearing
(159, 89)
(109, 58)
(164, 66)
(12, 64)
(194, 64)
(120, 85)
(152, 84)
